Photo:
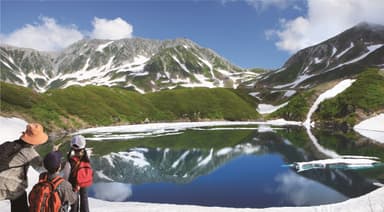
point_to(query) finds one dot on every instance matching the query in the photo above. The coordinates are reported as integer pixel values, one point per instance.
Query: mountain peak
(368, 26)
(343, 55)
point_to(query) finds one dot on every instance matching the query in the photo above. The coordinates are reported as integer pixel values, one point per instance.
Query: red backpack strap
(75, 165)
(56, 182)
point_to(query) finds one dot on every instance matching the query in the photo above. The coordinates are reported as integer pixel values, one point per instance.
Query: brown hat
(34, 134)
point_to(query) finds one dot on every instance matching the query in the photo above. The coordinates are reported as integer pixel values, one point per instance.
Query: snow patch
(266, 108)
(317, 60)
(372, 128)
(334, 50)
(224, 151)
(293, 84)
(102, 46)
(11, 128)
(340, 87)
(289, 93)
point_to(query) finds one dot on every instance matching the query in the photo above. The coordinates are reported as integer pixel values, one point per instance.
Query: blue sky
(249, 33)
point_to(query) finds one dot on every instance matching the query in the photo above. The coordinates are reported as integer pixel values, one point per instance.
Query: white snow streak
(182, 157)
(181, 65)
(266, 108)
(334, 50)
(345, 51)
(293, 84)
(207, 159)
(340, 87)
(102, 46)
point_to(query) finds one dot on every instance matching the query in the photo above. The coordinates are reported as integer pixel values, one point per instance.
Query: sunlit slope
(77, 107)
(363, 98)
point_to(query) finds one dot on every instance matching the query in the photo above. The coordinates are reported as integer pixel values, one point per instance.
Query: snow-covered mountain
(341, 56)
(141, 64)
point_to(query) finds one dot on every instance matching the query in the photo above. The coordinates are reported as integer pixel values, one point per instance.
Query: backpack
(9, 150)
(81, 173)
(44, 196)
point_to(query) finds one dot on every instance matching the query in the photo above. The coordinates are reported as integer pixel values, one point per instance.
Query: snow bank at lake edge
(372, 128)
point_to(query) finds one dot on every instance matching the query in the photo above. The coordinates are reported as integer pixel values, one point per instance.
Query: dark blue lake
(229, 168)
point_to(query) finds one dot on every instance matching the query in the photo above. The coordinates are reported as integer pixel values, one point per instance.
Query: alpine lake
(239, 166)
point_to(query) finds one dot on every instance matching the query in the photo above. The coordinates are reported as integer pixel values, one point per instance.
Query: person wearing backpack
(15, 159)
(52, 193)
(79, 172)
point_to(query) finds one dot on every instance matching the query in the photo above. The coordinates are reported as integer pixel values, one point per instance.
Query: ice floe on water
(345, 163)
(164, 129)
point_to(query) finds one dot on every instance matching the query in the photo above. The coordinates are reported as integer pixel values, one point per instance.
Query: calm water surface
(230, 168)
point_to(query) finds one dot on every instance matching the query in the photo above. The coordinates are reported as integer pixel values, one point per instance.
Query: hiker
(15, 159)
(52, 193)
(79, 172)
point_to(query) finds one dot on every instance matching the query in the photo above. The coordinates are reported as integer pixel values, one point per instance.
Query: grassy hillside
(366, 95)
(202, 103)
(296, 109)
(77, 107)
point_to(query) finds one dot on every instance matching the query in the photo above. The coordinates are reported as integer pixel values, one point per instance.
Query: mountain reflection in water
(248, 172)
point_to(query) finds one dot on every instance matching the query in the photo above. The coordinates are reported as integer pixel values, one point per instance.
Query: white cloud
(111, 29)
(46, 35)
(112, 191)
(325, 19)
(264, 4)
(299, 190)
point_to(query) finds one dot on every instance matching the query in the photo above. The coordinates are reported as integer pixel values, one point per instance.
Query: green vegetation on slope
(203, 103)
(296, 109)
(76, 107)
(366, 93)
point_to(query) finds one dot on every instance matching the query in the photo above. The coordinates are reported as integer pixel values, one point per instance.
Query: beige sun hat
(34, 134)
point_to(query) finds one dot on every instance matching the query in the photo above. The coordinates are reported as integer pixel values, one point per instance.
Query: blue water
(246, 181)
(254, 174)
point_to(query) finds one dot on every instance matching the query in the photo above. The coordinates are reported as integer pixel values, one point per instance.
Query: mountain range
(151, 65)
(140, 64)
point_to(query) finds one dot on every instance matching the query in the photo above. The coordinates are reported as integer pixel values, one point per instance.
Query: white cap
(78, 142)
